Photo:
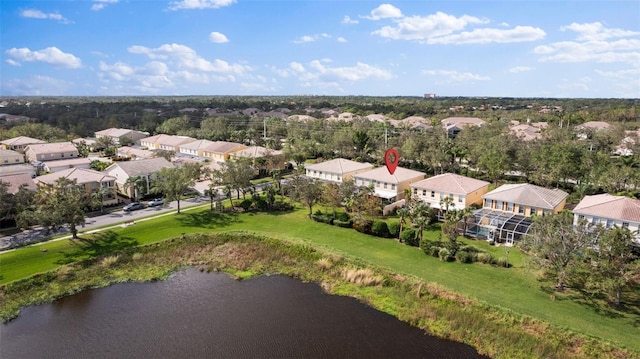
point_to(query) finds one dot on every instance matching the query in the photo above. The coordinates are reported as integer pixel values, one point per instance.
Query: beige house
(463, 191)
(336, 170)
(165, 142)
(89, 181)
(610, 211)
(10, 157)
(134, 153)
(194, 148)
(60, 165)
(386, 185)
(453, 125)
(19, 143)
(143, 168)
(219, 151)
(254, 152)
(50, 151)
(15, 181)
(20, 168)
(118, 135)
(506, 211)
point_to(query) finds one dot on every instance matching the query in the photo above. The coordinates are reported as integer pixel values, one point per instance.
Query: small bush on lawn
(323, 218)
(434, 251)
(245, 204)
(343, 224)
(471, 249)
(394, 229)
(363, 225)
(486, 258)
(444, 255)
(343, 216)
(380, 229)
(409, 237)
(261, 204)
(503, 262)
(427, 246)
(463, 257)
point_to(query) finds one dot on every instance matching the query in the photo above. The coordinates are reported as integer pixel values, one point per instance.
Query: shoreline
(493, 331)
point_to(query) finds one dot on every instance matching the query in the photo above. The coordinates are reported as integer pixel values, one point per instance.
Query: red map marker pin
(391, 159)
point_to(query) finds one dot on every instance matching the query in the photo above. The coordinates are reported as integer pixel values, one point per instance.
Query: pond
(210, 315)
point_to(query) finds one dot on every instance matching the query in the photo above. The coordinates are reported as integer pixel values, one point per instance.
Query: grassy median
(514, 293)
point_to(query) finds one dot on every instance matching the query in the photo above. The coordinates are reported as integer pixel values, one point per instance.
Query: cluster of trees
(591, 258)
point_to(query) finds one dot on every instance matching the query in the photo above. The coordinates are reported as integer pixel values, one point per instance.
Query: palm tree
(403, 213)
(445, 202)
(135, 183)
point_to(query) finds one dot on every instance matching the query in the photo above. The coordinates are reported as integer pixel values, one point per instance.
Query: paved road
(118, 217)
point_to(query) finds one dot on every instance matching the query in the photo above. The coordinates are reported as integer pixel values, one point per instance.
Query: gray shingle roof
(142, 167)
(528, 194)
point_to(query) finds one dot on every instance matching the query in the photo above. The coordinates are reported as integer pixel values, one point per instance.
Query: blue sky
(587, 49)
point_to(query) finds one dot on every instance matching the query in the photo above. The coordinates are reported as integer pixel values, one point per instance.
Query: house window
(385, 185)
(533, 211)
(460, 198)
(62, 155)
(580, 216)
(377, 184)
(424, 192)
(625, 225)
(415, 191)
(441, 195)
(520, 209)
(595, 221)
(509, 206)
(393, 186)
(609, 223)
(499, 205)
(433, 194)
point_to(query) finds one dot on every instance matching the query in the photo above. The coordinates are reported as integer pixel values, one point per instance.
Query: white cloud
(318, 73)
(487, 35)
(199, 4)
(101, 4)
(183, 56)
(597, 31)
(50, 55)
(348, 20)
(37, 85)
(218, 38)
(456, 76)
(518, 69)
(12, 62)
(620, 74)
(311, 38)
(428, 27)
(593, 43)
(341, 39)
(37, 14)
(384, 11)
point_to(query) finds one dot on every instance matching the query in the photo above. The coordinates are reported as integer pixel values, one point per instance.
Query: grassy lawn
(514, 289)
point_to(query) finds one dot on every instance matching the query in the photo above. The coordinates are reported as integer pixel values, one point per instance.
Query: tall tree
(60, 203)
(557, 245)
(616, 266)
(173, 182)
(308, 191)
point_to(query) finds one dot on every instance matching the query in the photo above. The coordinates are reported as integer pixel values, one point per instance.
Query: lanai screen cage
(498, 226)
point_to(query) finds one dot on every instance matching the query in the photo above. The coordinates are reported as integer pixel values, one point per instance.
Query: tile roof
(451, 183)
(7, 153)
(608, 206)
(195, 145)
(168, 140)
(462, 121)
(17, 180)
(141, 167)
(221, 147)
(114, 132)
(56, 147)
(68, 162)
(135, 152)
(21, 140)
(339, 165)
(598, 125)
(81, 175)
(255, 152)
(382, 174)
(528, 194)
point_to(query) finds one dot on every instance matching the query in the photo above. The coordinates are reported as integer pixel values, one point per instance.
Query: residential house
(143, 168)
(122, 135)
(194, 148)
(254, 152)
(453, 125)
(89, 181)
(15, 181)
(219, 151)
(336, 170)
(165, 142)
(50, 151)
(463, 191)
(19, 143)
(134, 153)
(610, 211)
(389, 187)
(506, 211)
(529, 131)
(20, 168)
(60, 165)
(10, 157)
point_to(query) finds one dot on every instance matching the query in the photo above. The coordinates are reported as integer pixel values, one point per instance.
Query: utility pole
(264, 131)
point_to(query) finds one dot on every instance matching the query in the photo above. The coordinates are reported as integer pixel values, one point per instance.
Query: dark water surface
(209, 315)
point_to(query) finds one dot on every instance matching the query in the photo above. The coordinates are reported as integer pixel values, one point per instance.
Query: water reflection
(200, 315)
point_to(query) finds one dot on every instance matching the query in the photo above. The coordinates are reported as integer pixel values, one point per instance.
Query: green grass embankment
(513, 290)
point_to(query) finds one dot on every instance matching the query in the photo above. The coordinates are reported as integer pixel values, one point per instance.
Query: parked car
(156, 202)
(133, 206)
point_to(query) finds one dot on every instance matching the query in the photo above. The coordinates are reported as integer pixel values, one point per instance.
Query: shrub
(343, 224)
(486, 258)
(444, 255)
(427, 245)
(434, 251)
(109, 261)
(323, 218)
(343, 216)
(503, 262)
(408, 236)
(261, 204)
(363, 225)
(245, 204)
(463, 257)
(394, 229)
(471, 249)
(380, 229)
(324, 263)
(363, 277)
